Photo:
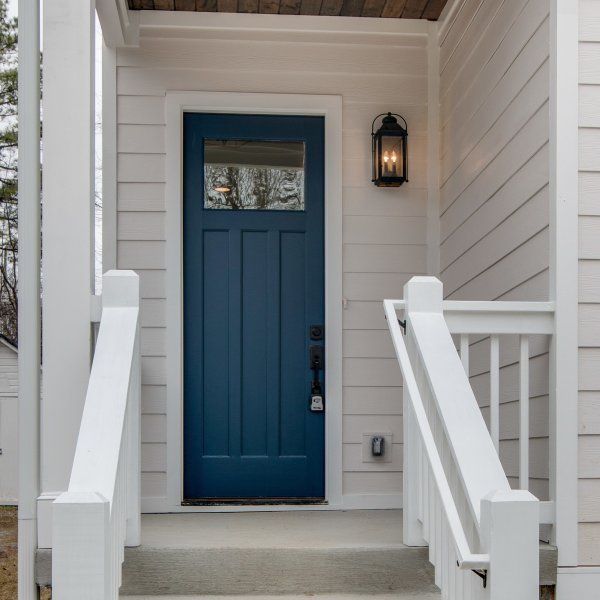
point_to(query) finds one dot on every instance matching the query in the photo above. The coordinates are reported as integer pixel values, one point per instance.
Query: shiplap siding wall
(494, 115)
(589, 282)
(384, 230)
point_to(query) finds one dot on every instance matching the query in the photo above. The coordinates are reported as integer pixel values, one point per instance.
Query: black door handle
(317, 364)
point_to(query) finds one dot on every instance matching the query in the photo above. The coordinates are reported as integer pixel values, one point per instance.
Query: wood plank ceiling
(405, 9)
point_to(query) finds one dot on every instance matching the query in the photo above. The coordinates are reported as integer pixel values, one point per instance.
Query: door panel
(253, 284)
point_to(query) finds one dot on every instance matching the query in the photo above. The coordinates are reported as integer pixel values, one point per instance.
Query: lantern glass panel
(391, 157)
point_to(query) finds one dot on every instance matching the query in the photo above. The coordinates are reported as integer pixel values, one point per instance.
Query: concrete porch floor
(287, 529)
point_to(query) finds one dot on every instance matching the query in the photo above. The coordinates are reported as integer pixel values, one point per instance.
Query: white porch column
(29, 291)
(68, 190)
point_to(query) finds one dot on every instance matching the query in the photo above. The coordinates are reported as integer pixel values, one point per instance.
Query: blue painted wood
(253, 284)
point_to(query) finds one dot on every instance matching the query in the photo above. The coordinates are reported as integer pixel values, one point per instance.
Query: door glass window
(253, 175)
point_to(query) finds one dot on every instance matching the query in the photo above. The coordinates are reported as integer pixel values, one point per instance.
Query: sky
(12, 7)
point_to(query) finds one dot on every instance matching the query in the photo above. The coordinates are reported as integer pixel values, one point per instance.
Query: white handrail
(100, 512)
(495, 317)
(466, 559)
(457, 498)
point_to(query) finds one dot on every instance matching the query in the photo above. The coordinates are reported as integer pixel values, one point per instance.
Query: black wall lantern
(389, 151)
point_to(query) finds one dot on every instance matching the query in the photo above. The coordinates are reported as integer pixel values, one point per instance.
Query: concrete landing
(283, 530)
(333, 555)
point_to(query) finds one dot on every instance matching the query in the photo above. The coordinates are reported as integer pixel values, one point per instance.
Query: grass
(8, 556)
(8, 553)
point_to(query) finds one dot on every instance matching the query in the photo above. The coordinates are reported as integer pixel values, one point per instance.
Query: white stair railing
(482, 536)
(100, 512)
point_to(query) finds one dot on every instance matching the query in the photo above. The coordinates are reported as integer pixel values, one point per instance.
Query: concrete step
(419, 596)
(278, 553)
(308, 552)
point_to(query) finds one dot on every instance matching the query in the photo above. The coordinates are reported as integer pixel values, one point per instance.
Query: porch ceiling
(405, 9)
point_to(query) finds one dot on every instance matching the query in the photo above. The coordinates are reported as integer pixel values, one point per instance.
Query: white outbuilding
(9, 391)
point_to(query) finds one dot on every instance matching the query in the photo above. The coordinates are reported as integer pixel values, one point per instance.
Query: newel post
(509, 534)
(422, 294)
(81, 565)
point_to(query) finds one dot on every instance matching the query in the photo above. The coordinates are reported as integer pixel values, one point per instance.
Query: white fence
(100, 512)
(482, 536)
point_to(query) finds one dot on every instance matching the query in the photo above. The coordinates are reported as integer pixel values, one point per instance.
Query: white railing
(482, 536)
(100, 513)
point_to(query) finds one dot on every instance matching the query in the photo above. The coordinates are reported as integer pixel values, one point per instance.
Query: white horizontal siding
(589, 282)
(494, 197)
(384, 240)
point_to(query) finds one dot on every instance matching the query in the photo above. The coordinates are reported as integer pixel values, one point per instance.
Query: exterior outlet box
(367, 447)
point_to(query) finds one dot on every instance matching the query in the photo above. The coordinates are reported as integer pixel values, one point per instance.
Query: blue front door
(253, 253)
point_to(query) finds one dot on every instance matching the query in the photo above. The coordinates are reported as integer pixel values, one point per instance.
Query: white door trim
(330, 107)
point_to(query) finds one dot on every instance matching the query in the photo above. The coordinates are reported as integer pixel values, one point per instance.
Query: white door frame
(330, 107)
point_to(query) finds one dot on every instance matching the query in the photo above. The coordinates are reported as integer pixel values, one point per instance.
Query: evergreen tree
(8, 174)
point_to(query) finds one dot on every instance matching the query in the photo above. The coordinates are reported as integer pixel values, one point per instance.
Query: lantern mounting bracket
(388, 114)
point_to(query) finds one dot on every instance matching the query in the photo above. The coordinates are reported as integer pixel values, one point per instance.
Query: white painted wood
(502, 522)
(564, 32)
(524, 413)
(464, 352)
(273, 56)
(185, 58)
(466, 559)
(119, 25)
(170, 24)
(578, 582)
(433, 152)
(495, 390)
(67, 255)
(100, 511)
(28, 409)
(494, 82)
(141, 110)
(509, 524)
(518, 228)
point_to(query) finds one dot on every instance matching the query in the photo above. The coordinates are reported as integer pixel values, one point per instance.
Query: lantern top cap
(389, 124)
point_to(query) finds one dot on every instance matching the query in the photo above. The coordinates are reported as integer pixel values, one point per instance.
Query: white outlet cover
(367, 455)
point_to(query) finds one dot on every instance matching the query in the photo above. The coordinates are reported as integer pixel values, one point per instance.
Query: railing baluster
(431, 519)
(438, 541)
(495, 391)
(464, 351)
(524, 416)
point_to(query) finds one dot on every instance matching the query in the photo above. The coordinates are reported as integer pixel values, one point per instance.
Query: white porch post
(68, 190)
(564, 351)
(29, 291)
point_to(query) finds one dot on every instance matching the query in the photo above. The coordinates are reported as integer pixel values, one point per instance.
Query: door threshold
(253, 501)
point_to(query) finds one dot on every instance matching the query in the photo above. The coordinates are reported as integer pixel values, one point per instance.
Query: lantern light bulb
(394, 157)
(386, 156)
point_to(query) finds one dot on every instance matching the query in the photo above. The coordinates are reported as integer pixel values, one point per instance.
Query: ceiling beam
(119, 24)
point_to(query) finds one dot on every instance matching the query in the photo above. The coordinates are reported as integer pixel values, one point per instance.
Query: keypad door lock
(317, 364)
